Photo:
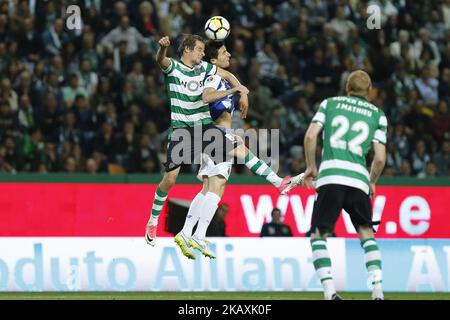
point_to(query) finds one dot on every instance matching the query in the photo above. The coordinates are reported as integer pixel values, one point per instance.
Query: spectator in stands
(341, 25)
(401, 84)
(104, 140)
(70, 165)
(428, 87)
(446, 13)
(144, 57)
(123, 33)
(91, 166)
(276, 228)
(442, 159)
(49, 117)
(140, 154)
(70, 131)
(148, 23)
(54, 39)
(8, 94)
(4, 165)
(320, 74)
(175, 18)
(73, 90)
(71, 58)
(14, 155)
(196, 19)
(268, 62)
(444, 84)
(85, 117)
(384, 66)
(297, 120)
(441, 122)
(126, 97)
(389, 171)
(402, 43)
(430, 171)
(8, 122)
(101, 161)
(26, 116)
(435, 27)
(49, 158)
(137, 79)
(417, 114)
(424, 41)
(155, 109)
(93, 19)
(57, 67)
(419, 157)
(26, 87)
(317, 13)
(405, 169)
(30, 42)
(393, 157)
(88, 50)
(32, 147)
(77, 155)
(126, 145)
(87, 78)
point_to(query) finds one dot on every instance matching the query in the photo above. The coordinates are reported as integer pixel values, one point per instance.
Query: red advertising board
(83, 209)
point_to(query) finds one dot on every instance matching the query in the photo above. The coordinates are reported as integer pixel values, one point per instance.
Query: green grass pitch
(210, 296)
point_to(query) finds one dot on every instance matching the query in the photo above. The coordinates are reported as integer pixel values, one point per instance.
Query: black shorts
(187, 144)
(331, 199)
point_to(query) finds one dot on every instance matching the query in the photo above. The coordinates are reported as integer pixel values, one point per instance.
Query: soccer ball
(217, 28)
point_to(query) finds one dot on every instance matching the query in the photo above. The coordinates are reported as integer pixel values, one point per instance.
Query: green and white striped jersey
(350, 124)
(185, 86)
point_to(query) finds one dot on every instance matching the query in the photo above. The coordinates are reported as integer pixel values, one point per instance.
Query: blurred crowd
(93, 99)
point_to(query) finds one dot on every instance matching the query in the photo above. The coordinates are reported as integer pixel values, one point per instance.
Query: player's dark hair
(212, 50)
(188, 41)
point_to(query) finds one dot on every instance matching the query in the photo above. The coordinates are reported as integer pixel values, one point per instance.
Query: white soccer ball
(217, 28)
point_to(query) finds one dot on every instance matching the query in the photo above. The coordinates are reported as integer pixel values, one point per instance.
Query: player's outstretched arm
(243, 102)
(310, 144)
(210, 95)
(161, 56)
(378, 163)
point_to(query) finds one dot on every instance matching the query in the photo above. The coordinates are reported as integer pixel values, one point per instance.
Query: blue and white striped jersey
(216, 108)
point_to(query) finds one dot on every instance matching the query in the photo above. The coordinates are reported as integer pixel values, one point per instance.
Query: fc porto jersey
(216, 108)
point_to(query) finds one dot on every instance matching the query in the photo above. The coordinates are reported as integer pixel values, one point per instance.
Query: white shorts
(208, 168)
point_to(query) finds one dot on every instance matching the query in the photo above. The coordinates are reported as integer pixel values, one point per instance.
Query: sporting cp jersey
(185, 87)
(226, 103)
(350, 125)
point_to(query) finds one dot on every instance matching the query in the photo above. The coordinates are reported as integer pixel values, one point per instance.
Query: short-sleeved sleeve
(380, 133)
(212, 82)
(320, 115)
(171, 66)
(210, 69)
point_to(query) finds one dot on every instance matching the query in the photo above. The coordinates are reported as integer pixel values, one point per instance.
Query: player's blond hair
(358, 84)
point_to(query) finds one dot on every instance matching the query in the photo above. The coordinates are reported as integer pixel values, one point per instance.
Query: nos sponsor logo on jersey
(192, 85)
